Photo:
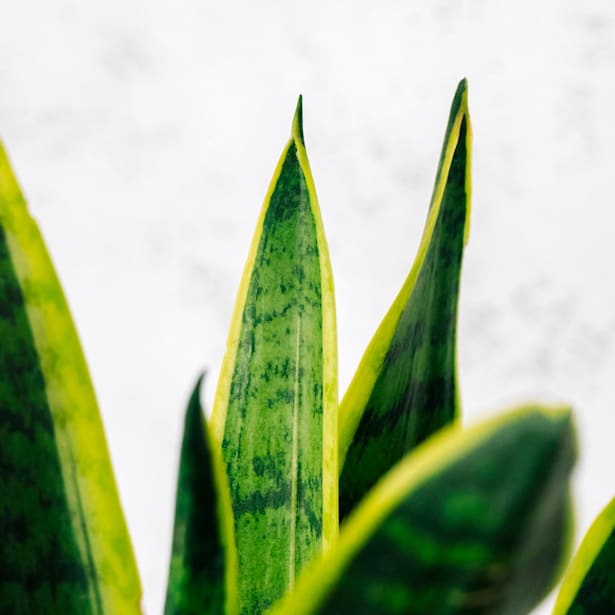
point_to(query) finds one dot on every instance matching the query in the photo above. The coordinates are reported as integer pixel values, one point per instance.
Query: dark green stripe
(283, 315)
(197, 571)
(40, 566)
(484, 535)
(415, 393)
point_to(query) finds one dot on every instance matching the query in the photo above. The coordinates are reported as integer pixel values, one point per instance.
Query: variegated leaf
(405, 388)
(275, 413)
(475, 521)
(65, 546)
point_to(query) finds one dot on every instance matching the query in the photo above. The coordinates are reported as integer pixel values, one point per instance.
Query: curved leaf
(65, 547)
(589, 583)
(203, 570)
(405, 388)
(474, 521)
(275, 412)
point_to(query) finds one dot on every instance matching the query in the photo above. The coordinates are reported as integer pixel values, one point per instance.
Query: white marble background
(145, 134)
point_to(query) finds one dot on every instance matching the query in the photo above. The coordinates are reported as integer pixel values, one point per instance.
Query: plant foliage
(403, 511)
(65, 547)
(589, 583)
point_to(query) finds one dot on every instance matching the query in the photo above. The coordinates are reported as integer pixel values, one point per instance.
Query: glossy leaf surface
(65, 547)
(589, 583)
(275, 413)
(405, 388)
(203, 574)
(474, 521)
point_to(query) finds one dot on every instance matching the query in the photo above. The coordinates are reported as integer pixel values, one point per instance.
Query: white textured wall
(145, 134)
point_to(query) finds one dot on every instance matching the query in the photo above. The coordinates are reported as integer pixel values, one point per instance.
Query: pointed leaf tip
(203, 560)
(460, 100)
(195, 398)
(298, 121)
(199, 381)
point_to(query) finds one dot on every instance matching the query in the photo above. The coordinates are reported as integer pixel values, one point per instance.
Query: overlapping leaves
(463, 521)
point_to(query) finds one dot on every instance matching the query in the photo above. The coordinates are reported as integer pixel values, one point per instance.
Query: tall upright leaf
(588, 587)
(65, 546)
(275, 413)
(405, 388)
(474, 521)
(203, 574)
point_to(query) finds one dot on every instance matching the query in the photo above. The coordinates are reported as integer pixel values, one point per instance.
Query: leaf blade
(589, 582)
(203, 567)
(405, 387)
(275, 411)
(97, 559)
(452, 528)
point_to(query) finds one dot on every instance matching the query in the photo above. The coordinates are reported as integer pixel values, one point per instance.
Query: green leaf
(275, 413)
(474, 521)
(588, 587)
(203, 571)
(405, 388)
(65, 546)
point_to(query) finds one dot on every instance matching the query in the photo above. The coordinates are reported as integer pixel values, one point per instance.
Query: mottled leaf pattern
(405, 388)
(203, 575)
(65, 547)
(475, 521)
(588, 587)
(276, 406)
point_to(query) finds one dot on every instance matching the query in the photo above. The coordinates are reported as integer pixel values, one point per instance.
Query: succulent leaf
(203, 570)
(65, 546)
(475, 521)
(405, 388)
(275, 412)
(588, 586)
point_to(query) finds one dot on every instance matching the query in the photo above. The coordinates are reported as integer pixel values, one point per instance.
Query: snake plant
(288, 502)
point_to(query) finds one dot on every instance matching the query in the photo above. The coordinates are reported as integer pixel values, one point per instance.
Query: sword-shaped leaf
(474, 521)
(405, 388)
(588, 587)
(65, 546)
(275, 413)
(203, 571)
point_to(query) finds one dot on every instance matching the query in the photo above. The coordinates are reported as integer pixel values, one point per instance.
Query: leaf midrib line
(294, 462)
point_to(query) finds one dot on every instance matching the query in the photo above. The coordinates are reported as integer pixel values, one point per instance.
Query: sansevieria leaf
(405, 388)
(275, 412)
(474, 521)
(203, 571)
(64, 545)
(588, 587)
